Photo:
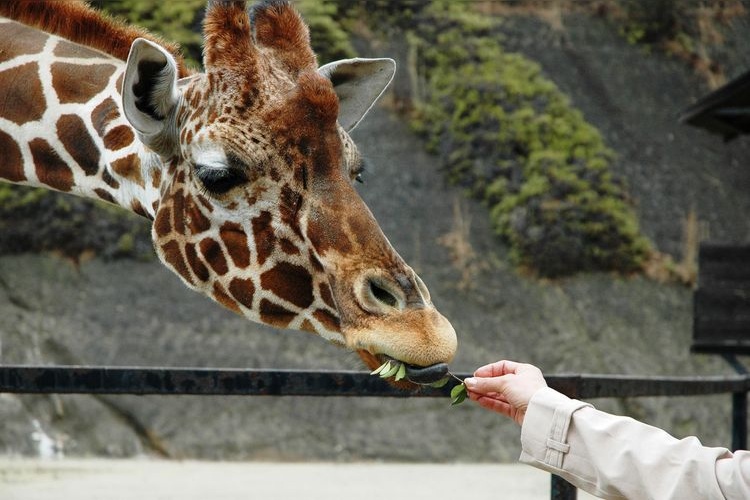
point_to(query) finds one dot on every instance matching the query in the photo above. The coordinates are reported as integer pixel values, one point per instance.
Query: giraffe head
(257, 207)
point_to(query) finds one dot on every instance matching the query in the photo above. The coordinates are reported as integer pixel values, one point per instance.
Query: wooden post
(562, 490)
(739, 421)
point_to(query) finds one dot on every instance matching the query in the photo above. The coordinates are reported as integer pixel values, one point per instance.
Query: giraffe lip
(426, 374)
(421, 374)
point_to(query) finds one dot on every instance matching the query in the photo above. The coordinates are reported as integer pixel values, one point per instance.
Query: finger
(495, 405)
(477, 395)
(487, 370)
(497, 369)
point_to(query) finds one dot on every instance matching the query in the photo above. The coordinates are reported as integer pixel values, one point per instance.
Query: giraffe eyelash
(218, 181)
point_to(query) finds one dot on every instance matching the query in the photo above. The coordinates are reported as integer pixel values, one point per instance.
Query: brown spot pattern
(274, 314)
(129, 168)
(195, 218)
(162, 224)
(11, 167)
(325, 294)
(103, 114)
(288, 247)
(290, 282)
(201, 272)
(242, 290)
(289, 206)
(173, 257)
(235, 240)
(67, 49)
(118, 138)
(18, 39)
(329, 321)
(324, 232)
(70, 87)
(108, 179)
(105, 195)
(178, 212)
(212, 253)
(156, 178)
(206, 204)
(315, 263)
(138, 208)
(264, 236)
(223, 298)
(50, 169)
(72, 132)
(23, 99)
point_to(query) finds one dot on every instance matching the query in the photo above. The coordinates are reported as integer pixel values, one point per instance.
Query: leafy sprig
(397, 370)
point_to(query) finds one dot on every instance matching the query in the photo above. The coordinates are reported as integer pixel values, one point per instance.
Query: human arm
(606, 455)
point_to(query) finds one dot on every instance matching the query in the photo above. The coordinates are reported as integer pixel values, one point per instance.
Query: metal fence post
(739, 421)
(562, 490)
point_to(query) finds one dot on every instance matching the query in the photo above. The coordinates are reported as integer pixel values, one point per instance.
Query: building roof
(725, 111)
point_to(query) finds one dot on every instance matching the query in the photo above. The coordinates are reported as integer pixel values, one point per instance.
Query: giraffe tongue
(426, 374)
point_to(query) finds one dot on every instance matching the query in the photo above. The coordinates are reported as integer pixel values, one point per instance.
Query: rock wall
(127, 312)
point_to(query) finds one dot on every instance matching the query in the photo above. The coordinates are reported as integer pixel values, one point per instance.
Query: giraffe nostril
(380, 296)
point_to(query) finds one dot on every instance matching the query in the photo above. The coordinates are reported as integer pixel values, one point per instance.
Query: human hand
(505, 387)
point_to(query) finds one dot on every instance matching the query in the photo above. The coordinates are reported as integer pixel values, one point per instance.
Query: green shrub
(181, 22)
(175, 21)
(37, 220)
(512, 139)
(329, 40)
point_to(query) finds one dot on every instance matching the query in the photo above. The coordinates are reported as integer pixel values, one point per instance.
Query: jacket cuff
(544, 433)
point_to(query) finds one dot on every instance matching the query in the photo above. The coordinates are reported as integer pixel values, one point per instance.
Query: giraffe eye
(358, 173)
(218, 181)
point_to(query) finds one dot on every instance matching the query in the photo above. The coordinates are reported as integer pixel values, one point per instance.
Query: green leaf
(379, 368)
(440, 383)
(386, 368)
(391, 371)
(458, 394)
(401, 372)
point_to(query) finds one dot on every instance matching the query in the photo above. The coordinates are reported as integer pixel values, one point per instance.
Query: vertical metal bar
(562, 490)
(739, 421)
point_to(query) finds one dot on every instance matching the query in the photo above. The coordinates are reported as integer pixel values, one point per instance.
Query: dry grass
(463, 256)
(663, 267)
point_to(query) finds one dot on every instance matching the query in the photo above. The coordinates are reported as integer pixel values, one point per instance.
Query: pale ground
(146, 479)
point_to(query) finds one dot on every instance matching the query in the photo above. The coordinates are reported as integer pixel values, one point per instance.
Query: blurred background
(529, 164)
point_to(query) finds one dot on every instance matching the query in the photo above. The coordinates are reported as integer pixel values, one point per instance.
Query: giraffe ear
(358, 83)
(149, 91)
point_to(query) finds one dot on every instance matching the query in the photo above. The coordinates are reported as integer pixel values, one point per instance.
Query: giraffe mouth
(419, 374)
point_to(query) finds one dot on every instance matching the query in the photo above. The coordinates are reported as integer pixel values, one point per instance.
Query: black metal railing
(243, 382)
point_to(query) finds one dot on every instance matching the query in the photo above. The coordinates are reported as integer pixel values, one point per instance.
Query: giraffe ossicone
(245, 169)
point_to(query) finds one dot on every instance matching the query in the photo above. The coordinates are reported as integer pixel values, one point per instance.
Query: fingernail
(470, 382)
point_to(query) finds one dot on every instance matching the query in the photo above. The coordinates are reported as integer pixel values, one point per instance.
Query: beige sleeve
(617, 457)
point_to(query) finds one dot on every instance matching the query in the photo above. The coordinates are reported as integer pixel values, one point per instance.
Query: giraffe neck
(62, 126)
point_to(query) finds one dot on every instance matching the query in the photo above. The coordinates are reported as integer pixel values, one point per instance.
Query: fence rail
(43, 379)
(25, 379)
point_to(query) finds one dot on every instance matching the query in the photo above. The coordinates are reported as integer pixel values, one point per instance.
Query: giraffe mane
(80, 23)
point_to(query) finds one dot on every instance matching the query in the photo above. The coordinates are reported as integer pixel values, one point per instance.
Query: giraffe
(246, 169)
